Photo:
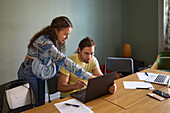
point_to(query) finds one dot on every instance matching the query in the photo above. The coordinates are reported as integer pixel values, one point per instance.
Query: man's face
(86, 54)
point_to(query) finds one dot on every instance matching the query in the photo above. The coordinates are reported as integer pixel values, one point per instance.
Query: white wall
(103, 21)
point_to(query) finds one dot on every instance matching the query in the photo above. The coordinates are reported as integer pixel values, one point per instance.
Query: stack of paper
(136, 85)
(142, 76)
(71, 109)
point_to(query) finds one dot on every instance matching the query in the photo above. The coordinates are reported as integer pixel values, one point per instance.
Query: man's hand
(113, 88)
(80, 84)
(92, 77)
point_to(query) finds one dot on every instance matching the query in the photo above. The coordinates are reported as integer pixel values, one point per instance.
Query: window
(166, 25)
(163, 25)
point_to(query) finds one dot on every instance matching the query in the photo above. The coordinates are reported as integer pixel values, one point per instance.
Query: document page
(142, 76)
(63, 108)
(136, 85)
(18, 96)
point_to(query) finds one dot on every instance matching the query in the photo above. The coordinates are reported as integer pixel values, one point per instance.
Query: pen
(146, 73)
(142, 88)
(68, 104)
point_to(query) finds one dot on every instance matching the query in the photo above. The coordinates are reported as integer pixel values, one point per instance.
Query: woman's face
(63, 34)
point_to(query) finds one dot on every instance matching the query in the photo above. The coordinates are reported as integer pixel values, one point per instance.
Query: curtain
(167, 17)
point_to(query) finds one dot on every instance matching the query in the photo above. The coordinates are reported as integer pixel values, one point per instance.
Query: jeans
(37, 85)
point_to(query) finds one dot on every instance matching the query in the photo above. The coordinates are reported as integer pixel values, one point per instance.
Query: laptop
(96, 87)
(157, 78)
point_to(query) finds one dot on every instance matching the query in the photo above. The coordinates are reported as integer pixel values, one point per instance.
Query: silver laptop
(157, 78)
(96, 87)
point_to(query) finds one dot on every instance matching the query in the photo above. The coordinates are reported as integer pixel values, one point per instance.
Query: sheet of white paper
(136, 84)
(142, 76)
(71, 109)
(18, 96)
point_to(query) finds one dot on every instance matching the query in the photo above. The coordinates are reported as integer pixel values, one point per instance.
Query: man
(69, 82)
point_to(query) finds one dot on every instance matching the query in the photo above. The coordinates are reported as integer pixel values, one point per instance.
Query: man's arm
(97, 72)
(96, 68)
(63, 85)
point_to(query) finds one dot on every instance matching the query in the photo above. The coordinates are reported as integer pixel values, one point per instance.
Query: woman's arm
(47, 50)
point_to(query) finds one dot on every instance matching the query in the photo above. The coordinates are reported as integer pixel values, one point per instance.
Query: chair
(124, 66)
(52, 86)
(2, 91)
(7, 104)
(162, 62)
(164, 54)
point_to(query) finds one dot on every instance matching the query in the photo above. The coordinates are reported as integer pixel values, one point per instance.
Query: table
(98, 105)
(123, 101)
(152, 105)
(127, 98)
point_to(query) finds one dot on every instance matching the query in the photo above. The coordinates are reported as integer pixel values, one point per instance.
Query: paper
(136, 84)
(71, 109)
(18, 96)
(142, 76)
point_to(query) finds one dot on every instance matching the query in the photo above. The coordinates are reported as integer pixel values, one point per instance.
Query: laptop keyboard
(81, 93)
(160, 79)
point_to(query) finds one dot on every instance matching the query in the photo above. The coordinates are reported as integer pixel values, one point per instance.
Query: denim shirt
(44, 49)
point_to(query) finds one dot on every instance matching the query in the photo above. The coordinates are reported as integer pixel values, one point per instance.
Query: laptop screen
(96, 87)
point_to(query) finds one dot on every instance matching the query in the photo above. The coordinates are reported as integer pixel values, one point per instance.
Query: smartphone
(161, 93)
(156, 96)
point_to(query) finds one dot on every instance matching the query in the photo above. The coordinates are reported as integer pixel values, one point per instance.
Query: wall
(103, 21)
(142, 29)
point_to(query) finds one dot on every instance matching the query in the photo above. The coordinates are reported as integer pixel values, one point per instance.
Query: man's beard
(84, 59)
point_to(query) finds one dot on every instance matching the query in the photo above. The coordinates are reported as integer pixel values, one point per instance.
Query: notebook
(96, 87)
(157, 78)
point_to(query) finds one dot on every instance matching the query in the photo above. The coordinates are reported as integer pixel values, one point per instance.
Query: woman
(49, 45)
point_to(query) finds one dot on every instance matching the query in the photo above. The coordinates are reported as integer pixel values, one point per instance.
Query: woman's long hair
(58, 23)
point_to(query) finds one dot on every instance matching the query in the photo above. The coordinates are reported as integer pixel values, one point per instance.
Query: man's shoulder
(94, 58)
(73, 56)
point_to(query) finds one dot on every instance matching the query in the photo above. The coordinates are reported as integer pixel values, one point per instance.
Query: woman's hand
(80, 84)
(113, 88)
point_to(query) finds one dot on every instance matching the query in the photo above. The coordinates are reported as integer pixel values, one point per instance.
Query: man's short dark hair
(86, 42)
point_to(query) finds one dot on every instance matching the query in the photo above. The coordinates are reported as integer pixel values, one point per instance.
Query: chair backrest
(2, 90)
(16, 96)
(164, 54)
(121, 65)
(164, 63)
